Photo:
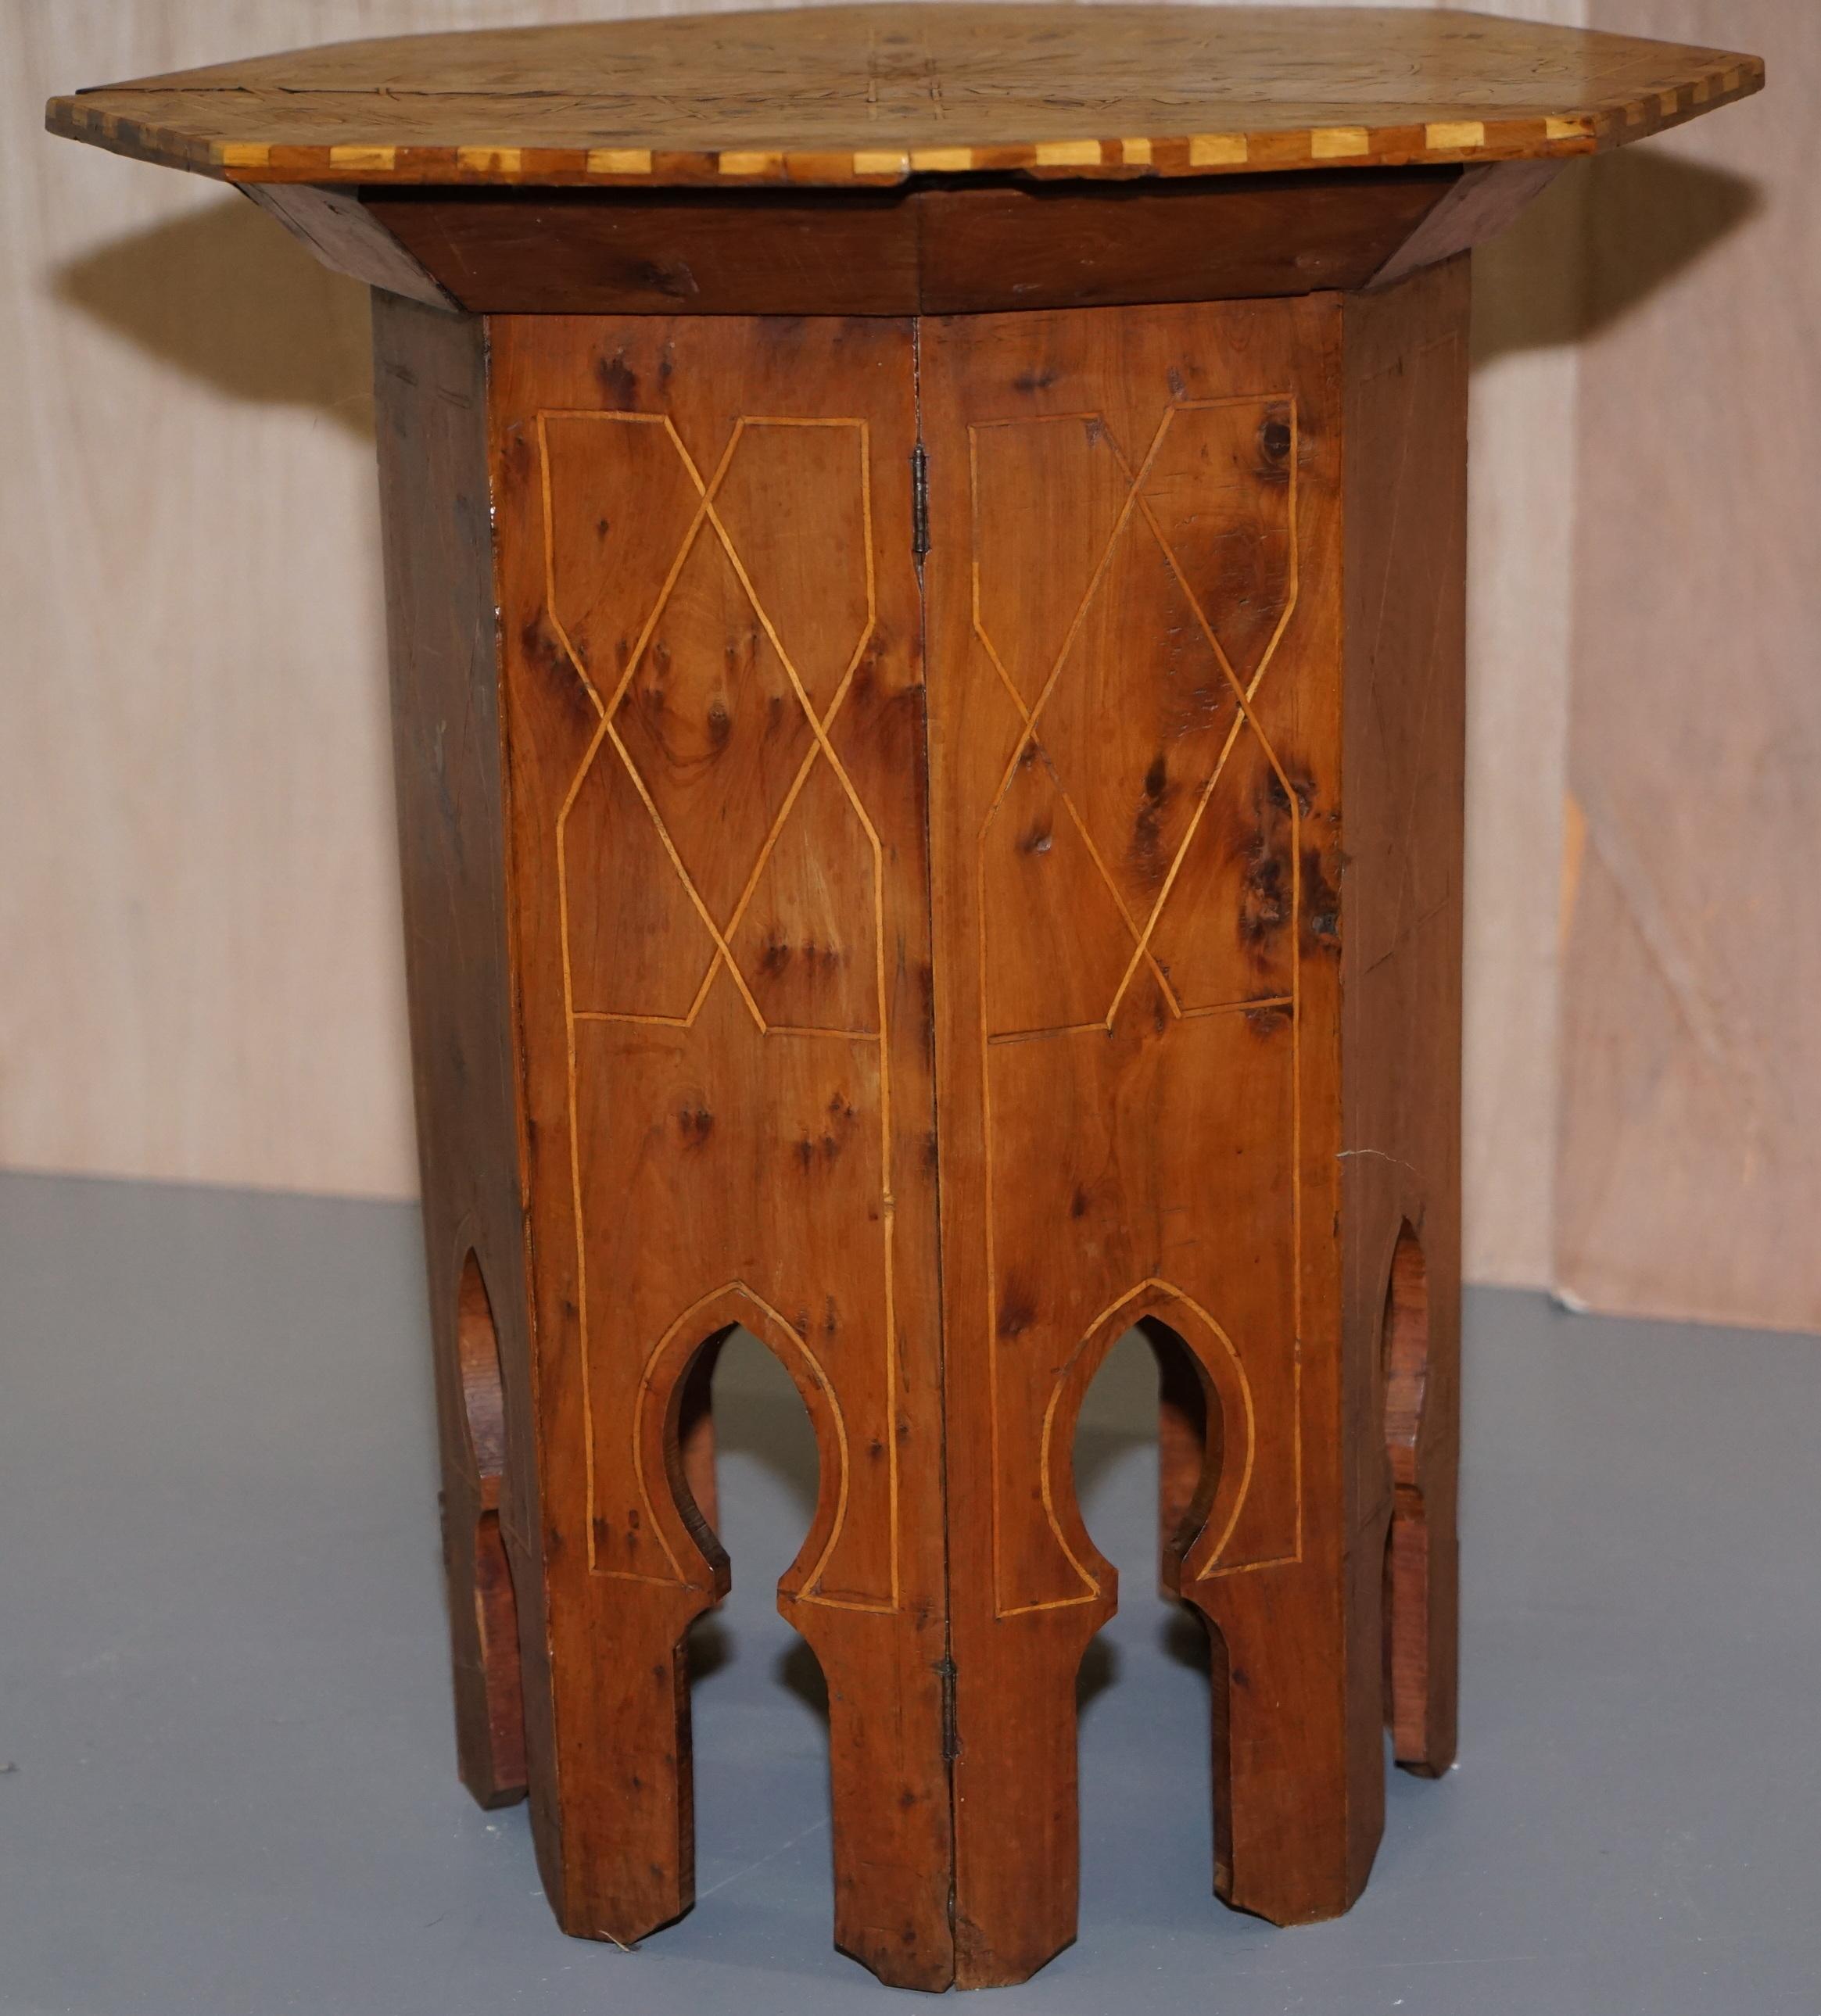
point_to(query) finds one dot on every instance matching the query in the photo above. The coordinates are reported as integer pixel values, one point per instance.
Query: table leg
(431, 407)
(1406, 739)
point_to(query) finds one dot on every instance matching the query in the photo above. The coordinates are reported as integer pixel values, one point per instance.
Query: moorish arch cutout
(1212, 1506)
(495, 1604)
(693, 1548)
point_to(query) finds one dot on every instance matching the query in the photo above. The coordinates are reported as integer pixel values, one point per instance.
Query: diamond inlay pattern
(1097, 857)
(719, 641)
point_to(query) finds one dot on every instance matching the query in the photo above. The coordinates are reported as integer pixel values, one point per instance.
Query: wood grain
(1405, 758)
(1135, 585)
(715, 757)
(430, 397)
(876, 94)
(1172, 652)
(998, 245)
(1480, 204)
(343, 232)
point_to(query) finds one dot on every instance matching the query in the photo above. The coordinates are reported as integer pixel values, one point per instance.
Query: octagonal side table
(926, 551)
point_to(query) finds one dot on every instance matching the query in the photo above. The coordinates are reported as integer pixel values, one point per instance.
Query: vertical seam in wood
(1344, 406)
(546, 1678)
(949, 1672)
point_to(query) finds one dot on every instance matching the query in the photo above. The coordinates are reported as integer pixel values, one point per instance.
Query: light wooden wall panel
(1690, 1155)
(197, 918)
(198, 922)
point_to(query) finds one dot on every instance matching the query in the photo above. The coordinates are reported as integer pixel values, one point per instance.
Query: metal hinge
(951, 1744)
(919, 501)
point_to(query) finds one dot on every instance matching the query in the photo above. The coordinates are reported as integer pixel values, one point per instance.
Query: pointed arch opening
(678, 1430)
(500, 1776)
(1404, 1354)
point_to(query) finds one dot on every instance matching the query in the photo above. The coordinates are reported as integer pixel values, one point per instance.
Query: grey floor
(225, 1778)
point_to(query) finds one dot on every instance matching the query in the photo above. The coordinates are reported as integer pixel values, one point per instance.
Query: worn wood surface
(1402, 781)
(342, 231)
(874, 94)
(998, 245)
(1480, 204)
(431, 399)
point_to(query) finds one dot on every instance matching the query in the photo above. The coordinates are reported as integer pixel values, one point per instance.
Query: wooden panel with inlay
(1134, 587)
(716, 761)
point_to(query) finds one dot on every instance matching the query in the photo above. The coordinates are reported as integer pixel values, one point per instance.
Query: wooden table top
(846, 95)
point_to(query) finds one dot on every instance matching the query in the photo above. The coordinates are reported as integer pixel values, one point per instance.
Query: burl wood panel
(1154, 626)
(1135, 744)
(712, 648)
(430, 400)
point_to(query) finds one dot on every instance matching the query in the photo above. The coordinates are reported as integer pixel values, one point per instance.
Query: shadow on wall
(229, 297)
(1601, 240)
